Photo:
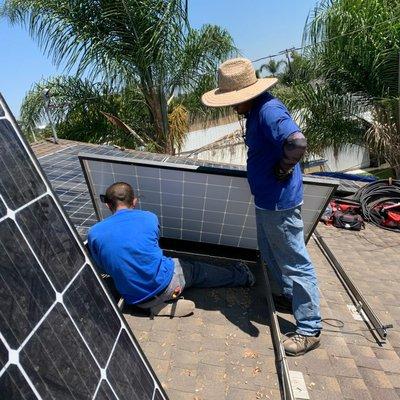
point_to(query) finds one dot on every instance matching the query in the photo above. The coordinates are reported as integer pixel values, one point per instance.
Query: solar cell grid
(61, 335)
(14, 385)
(208, 205)
(65, 174)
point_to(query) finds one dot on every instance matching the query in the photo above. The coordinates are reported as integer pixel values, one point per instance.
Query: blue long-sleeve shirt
(125, 246)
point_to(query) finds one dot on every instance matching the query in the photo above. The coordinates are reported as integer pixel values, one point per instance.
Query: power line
(324, 41)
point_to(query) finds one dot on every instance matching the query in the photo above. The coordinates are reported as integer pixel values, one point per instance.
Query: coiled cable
(374, 196)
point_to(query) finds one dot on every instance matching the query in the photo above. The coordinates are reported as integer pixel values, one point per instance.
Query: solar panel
(65, 174)
(61, 335)
(196, 203)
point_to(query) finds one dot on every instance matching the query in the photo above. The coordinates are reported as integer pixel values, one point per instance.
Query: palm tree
(329, 119)
(356, 47)
(147, 44)
(77, 105)
(271, 66)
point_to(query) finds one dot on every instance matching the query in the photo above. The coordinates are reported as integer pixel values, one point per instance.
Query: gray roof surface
(224, 351)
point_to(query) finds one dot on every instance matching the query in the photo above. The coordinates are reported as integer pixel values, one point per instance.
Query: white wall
(352, 157)
(235, 154)
(196, 139)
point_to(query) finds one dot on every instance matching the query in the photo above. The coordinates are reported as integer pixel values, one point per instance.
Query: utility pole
(46, 96)
(287, 54)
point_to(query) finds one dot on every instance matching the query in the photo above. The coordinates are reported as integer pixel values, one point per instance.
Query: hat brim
(216, 98)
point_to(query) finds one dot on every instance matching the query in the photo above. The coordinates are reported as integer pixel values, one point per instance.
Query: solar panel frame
(20, 356)
(198, 169)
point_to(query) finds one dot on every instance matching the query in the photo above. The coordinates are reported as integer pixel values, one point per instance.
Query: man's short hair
(119, 193)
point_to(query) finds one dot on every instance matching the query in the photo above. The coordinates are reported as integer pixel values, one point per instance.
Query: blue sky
(259, 28)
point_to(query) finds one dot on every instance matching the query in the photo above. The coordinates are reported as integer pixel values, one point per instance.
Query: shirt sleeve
(277, 124)
(93, 252)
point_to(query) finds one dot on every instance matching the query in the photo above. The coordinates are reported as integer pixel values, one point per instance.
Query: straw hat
(237, 83)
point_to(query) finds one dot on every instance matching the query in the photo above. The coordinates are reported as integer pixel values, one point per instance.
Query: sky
(258, 27)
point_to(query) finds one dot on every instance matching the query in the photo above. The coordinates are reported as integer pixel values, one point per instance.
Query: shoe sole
(313, 347)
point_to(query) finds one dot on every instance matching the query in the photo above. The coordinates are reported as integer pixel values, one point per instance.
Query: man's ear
(134, 202)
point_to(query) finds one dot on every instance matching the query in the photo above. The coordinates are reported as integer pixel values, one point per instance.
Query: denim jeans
(201, 275)
(280, 236)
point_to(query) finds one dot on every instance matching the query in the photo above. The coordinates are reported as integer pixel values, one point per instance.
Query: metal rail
(354, 292)
(283, 368)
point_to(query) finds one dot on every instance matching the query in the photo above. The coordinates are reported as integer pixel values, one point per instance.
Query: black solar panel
(63, 170)
(65, 174)
(196, 203)
(61, 336)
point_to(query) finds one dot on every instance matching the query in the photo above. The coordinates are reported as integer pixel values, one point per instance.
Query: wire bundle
(374, 196)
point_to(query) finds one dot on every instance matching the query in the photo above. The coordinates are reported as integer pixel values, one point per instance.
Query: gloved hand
(282, 175)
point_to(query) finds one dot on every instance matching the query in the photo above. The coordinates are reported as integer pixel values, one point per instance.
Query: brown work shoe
(178, 308)
(297, 344)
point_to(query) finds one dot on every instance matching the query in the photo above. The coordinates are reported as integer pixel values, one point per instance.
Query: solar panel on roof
(61, 335)
(195, 203)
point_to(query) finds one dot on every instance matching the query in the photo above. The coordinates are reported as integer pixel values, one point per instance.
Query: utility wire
(324, 41)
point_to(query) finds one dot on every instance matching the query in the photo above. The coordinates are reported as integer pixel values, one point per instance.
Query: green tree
(76, 107)
(356, 46)
(271, 67)
(298, 69)
(147, 44)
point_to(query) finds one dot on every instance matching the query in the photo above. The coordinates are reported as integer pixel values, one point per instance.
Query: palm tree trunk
(157, 104)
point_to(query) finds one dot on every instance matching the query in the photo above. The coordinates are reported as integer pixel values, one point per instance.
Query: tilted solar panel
(195, 203)
(61, 335)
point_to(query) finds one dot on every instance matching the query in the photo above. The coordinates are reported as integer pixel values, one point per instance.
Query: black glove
(282, 175)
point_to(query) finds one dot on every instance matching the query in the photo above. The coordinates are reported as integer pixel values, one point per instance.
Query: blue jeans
(280, 237)
(201, 275)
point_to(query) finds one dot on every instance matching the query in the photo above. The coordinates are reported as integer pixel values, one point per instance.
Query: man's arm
(294, 148)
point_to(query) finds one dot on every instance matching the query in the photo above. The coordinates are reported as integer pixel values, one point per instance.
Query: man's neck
(119, 208)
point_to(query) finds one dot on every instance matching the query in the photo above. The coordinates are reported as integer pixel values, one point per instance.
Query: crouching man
(125, 246)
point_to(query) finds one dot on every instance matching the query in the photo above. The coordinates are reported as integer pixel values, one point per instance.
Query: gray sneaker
(178, 308)
(297, 344)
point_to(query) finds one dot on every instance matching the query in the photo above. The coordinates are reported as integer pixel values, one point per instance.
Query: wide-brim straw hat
(237, 83)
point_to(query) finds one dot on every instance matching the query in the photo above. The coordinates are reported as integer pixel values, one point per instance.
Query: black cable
(373, 196)
(327, 40)
(338, 323)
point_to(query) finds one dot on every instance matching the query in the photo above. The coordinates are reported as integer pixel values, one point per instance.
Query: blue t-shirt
(268, 125)
(125, 246)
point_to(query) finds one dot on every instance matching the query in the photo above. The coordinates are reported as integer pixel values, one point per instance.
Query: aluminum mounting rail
(357, 297)
(281, 361)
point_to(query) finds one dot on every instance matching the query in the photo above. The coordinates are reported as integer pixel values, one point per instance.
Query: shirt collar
(123, 210)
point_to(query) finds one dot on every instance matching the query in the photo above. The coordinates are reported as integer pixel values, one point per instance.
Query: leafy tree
(327, 118)
(76, 107)
(147, 44)
(271, 67)
(298, 69)
(356, 48)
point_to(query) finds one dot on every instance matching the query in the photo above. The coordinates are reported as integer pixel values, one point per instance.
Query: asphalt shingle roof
(224, 351)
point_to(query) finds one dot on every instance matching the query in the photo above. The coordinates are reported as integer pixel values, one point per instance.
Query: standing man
(275, 146)
(125, 246)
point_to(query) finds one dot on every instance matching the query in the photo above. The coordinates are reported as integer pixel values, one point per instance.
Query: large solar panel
(65, 174)
(196, 203)
(61, 335)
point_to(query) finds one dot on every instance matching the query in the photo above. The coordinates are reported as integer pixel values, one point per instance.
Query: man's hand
(293, 150)
(282, 175)
(177, 292)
